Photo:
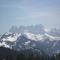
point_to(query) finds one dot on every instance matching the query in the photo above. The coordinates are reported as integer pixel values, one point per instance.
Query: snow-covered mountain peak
(35, 37)
(7, 40)
(11, 37)
(41, 37)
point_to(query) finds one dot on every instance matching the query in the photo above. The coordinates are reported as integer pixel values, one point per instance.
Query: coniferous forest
(8, 54)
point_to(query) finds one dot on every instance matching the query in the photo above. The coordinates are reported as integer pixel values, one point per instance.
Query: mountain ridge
(27, 40)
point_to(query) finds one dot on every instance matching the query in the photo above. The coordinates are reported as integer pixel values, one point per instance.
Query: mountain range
(36, 38)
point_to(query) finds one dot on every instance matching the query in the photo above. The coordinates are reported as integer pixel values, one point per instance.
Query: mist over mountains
(35, 29)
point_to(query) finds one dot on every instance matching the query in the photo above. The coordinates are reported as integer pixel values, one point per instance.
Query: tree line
(7, 54)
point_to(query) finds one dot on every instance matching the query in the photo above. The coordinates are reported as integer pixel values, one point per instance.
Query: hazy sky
(28, 12)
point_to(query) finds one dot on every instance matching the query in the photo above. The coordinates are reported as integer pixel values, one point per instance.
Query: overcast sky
(29, 12)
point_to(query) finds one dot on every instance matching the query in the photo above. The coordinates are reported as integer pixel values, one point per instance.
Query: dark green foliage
(58, 56)
(7, 54)
(52, 58)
